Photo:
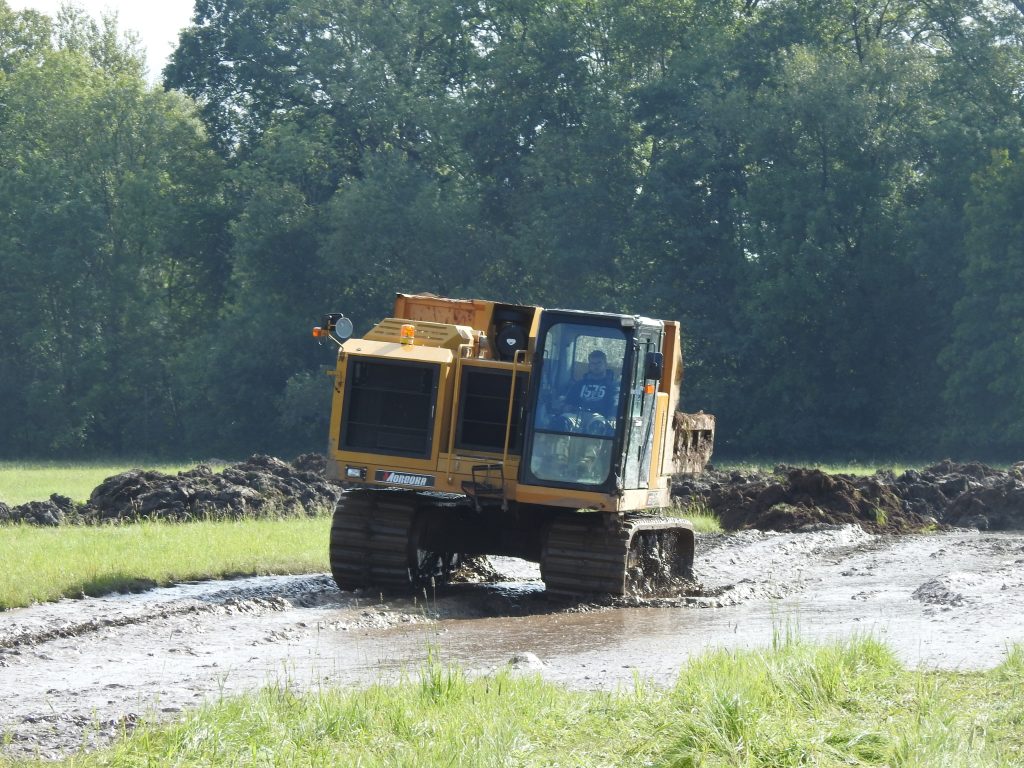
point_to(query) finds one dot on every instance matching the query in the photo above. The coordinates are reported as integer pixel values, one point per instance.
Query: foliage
(824, 194)
(985, 357)
(107, 240)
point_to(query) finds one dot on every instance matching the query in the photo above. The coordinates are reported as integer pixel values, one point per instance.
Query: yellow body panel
(660, 429)
(397, 351)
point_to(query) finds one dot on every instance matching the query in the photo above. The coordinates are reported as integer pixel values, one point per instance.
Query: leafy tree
(24, 37)
(809, 187)
(323, 95)
(108, 248)
(985, 358)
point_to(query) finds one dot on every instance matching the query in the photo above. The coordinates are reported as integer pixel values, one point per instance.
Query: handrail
(456, 394)
(511, 404)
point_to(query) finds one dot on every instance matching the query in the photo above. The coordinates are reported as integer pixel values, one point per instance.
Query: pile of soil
(967, 495)
(807, 498)
(259, 487)
(786, 499)
(793, 498)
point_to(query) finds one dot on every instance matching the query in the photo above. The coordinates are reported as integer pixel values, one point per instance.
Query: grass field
(34, 481)
(848, 704)
(48, 563)
(849, 468)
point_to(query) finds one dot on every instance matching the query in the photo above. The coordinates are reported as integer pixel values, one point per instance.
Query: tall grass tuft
(698, 513)
(497, 720)
(799, 705)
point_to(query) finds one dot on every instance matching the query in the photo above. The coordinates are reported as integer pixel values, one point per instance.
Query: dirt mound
(261, 486)
(998, 505)
(933, 490)
(785, 499)
(475, 570)
(806, 498)
(54, 511)
(969, 495)
(793, 498)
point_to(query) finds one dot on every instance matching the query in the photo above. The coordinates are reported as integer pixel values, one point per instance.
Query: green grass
(34, 481)
(848, 468)
(42, 564)
(840, 468)
(698, 513)
(831, 706)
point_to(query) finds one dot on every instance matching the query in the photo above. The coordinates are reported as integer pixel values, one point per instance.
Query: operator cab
(591, 427)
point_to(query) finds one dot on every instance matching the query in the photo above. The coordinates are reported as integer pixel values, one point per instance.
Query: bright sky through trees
(157, 23)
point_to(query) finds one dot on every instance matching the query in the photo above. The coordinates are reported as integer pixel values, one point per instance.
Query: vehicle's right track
(586, 554)
(370, 539)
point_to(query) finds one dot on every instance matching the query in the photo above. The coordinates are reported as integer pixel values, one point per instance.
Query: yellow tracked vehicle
(469, 427)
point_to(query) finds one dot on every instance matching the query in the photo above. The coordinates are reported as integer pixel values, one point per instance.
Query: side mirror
(654, 366)
(334, 326)
(341, 327)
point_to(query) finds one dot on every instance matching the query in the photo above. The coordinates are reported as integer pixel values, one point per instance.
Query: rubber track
(370, 539)
(590, 553)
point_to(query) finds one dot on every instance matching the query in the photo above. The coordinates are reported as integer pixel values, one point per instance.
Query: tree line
(827, 195)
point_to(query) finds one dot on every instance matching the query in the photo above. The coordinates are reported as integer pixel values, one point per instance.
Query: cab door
(574, 449)
(640, 405)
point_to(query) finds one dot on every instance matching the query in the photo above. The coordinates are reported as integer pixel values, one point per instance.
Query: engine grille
(389, 408)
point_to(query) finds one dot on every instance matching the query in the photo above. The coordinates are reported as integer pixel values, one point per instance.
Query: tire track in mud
(61, 620)
(32, 637)
(765, 565)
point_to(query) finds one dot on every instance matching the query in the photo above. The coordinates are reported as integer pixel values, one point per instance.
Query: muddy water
(74, 672)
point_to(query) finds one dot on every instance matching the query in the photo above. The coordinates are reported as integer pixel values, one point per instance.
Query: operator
(593, 398)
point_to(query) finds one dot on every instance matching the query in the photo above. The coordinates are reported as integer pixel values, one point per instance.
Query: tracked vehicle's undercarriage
(398, 540)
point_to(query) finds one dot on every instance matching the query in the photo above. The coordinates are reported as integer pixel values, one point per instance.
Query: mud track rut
(75, 673)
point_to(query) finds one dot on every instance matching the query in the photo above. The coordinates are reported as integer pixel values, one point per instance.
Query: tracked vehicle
(469, 427)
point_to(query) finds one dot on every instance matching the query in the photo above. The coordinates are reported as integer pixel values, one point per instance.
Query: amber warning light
(408, 333)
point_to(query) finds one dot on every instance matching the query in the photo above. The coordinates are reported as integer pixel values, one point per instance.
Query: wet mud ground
(77, 672)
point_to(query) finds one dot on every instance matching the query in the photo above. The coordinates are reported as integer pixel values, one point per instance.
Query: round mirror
(343, 328)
